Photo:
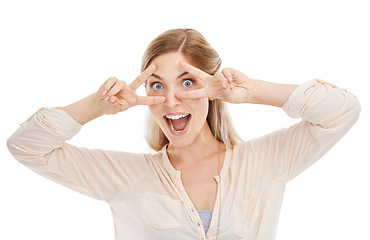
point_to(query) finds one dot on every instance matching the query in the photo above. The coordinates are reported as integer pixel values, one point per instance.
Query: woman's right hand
(116, 96)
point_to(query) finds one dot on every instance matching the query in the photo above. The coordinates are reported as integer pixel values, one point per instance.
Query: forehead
(168, 64)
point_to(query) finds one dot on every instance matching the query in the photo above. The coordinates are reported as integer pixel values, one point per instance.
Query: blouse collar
(177, 173)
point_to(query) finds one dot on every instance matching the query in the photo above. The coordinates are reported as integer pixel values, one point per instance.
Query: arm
(84, 110)
(40, 142)
(327, 114)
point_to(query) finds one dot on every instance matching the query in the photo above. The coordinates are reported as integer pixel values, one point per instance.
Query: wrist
(269, 93)
(93, 101)
(252, 95)
(84, 110)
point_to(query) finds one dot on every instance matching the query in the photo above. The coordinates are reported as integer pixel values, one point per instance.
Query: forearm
(269, 93)
(84, 110)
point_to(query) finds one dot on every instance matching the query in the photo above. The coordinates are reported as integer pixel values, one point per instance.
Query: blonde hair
(198, 51)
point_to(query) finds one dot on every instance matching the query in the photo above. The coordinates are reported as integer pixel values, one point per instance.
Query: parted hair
(200, 54)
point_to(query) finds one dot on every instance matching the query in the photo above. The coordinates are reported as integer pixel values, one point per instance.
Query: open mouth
(178, 123)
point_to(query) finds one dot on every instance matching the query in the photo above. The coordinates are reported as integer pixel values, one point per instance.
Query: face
(181, 120)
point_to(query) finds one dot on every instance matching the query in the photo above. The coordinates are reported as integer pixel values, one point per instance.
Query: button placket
(190, 207)
(215, 217)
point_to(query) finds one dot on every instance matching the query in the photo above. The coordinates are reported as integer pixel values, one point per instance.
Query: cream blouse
(145, 192)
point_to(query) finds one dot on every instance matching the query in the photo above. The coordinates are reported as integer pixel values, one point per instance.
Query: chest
(201, 187)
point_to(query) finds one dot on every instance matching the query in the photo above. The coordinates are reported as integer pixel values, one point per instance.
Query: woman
(203, 182)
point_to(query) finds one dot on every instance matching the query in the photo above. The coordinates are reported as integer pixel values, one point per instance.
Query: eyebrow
(181, 75)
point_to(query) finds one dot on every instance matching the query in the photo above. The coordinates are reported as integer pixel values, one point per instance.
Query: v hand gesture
(117, 96)
(229, 85)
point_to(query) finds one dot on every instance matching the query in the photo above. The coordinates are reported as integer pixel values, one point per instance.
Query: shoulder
(240, 148)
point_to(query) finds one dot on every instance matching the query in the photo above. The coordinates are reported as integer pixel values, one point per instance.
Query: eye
(187, 83)
(157, 86)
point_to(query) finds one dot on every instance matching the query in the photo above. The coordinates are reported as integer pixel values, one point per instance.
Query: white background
(53, 53)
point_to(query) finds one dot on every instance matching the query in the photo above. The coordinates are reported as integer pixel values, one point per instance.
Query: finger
(113, 99)
(143, 77)
(113, 105)
(145, 100)
(118, 86)
(219, 76)
(229, 76)
(195, 71)
(108, 85)
(325, 83)
(199, 93)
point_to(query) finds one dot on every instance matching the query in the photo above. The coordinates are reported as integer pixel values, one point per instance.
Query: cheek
(154, 111)
(199, 102)
(201, 105)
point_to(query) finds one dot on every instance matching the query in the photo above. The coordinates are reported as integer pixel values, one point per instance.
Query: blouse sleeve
(327, 113)
(39, 144)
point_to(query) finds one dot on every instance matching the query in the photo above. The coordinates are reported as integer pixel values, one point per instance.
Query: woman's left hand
(229, 85)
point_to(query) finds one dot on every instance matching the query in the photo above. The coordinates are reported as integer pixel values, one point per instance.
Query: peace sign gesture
(117, 96)
(229, 85)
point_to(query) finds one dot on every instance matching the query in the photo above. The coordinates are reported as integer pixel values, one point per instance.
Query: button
(192, 209)
(198, 224)
(215, 213)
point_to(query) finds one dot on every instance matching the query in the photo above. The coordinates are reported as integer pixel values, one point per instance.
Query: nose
(171, 99)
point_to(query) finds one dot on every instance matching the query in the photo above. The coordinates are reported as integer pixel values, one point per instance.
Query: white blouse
(146, 194)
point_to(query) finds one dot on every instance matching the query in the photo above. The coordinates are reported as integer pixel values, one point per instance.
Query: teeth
(171, 125)
(177, 116)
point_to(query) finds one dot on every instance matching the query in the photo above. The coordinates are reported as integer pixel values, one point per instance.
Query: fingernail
(224, 85)
(231, 85)
(105, 92)
(112, 100)
(230, 78)
(106, 98)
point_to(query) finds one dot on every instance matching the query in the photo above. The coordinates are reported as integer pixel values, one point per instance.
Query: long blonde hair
(198, 51)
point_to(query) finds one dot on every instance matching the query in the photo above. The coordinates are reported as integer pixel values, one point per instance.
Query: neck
(203, 147)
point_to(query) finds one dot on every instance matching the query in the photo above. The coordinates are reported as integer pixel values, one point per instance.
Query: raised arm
(327, 114)
(40, 142)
